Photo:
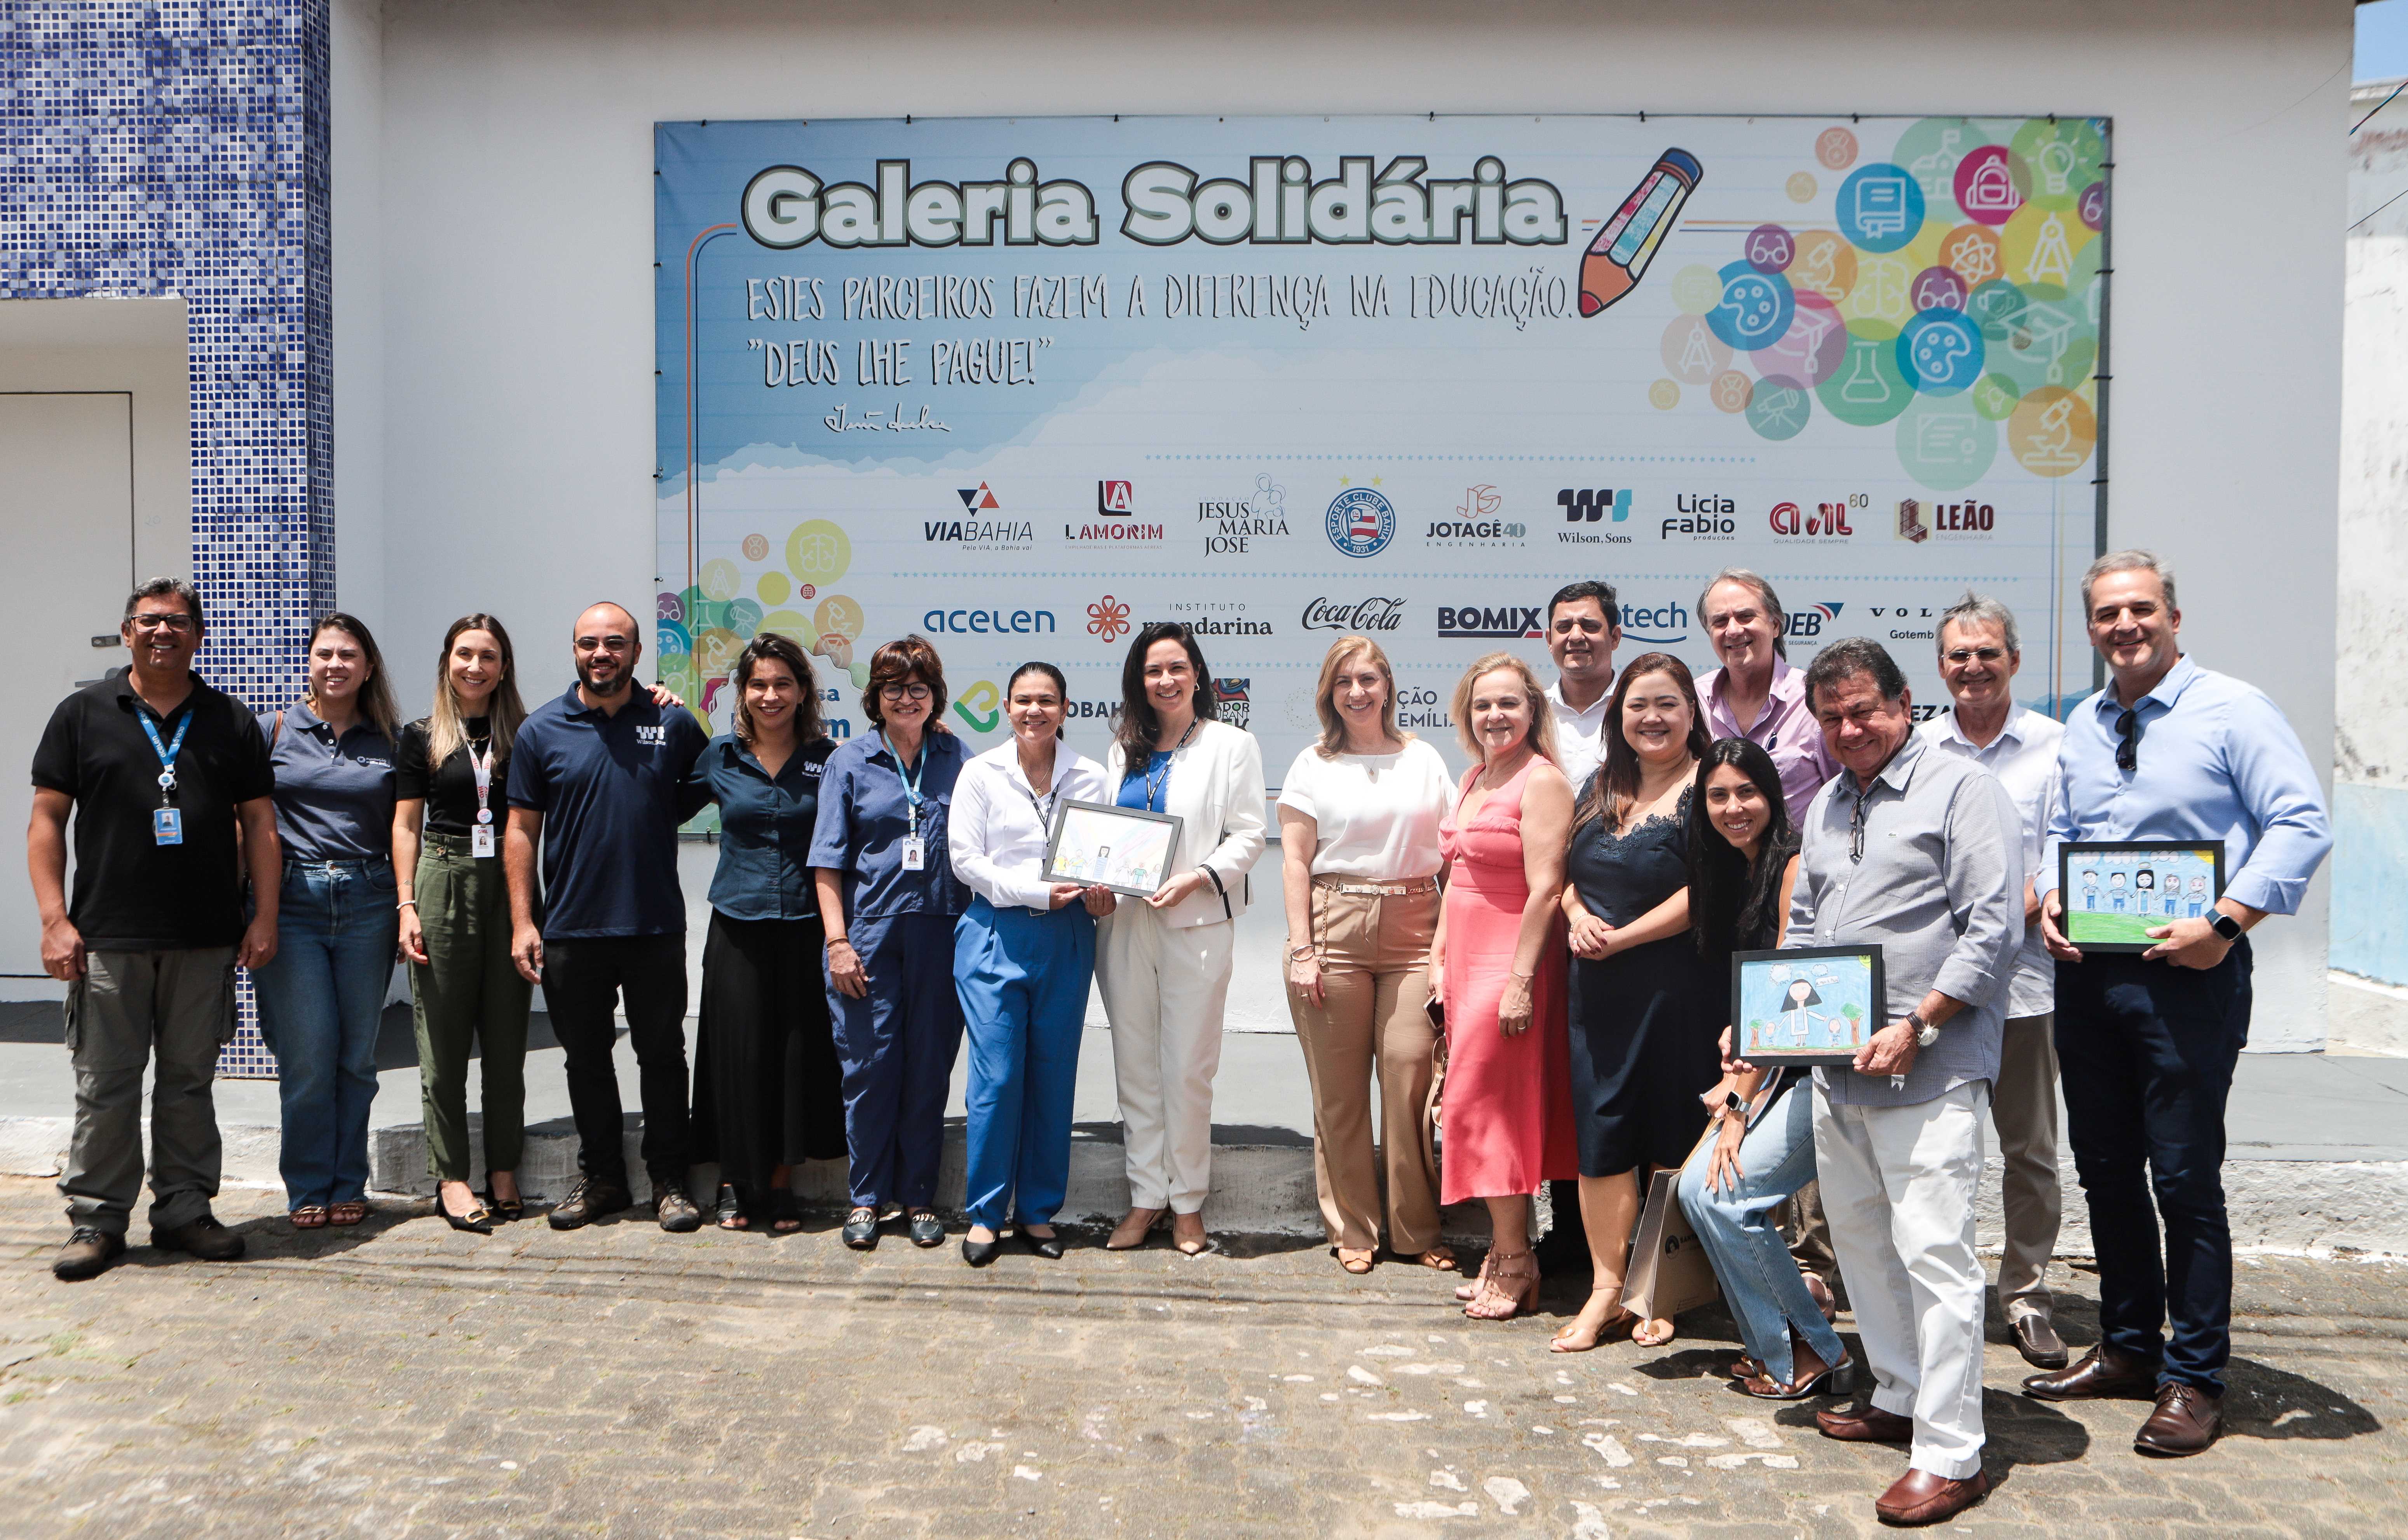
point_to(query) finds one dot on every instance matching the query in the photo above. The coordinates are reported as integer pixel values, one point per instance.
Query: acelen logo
(1364, 614)
(1116, 498)
(1809, 622)
(987, 623)
(1516, 621)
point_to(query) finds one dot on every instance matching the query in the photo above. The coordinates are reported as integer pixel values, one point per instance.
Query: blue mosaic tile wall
(180, 147)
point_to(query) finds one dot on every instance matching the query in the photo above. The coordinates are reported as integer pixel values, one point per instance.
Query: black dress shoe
(2038, 1341)
(926, 1229)
(860, 1229)
(587, 1201)
(2187, 1421)
(1048, 1246)
(674, 1209)
(88, 1253)
(203, 1237)
(2100, 1375)
(980, 1253)
(478, 1220)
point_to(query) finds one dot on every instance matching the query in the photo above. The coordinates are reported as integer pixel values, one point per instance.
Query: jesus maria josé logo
(1361, 521)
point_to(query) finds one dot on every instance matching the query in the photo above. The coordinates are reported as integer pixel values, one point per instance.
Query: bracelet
(836, 941)
(407, 904)
(1303, 951)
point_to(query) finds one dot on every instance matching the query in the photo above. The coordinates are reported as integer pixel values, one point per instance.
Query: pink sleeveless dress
(1506, 1114)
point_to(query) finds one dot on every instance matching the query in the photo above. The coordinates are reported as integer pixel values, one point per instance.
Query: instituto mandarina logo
(1107, 618)
(1361, 521)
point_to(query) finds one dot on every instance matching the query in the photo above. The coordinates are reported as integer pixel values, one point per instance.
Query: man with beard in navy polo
(596, 779)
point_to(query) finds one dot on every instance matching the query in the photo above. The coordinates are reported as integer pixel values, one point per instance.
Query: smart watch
(2225, 926)
(1925, 1033)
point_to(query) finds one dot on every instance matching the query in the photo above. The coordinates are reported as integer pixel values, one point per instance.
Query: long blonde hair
(1333, 726)
(1542, 716)
(504, 710)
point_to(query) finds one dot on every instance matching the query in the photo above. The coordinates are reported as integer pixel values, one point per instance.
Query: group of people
(1530, 962)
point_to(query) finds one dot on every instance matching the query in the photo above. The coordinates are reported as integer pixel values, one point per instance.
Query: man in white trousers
(1920, 853)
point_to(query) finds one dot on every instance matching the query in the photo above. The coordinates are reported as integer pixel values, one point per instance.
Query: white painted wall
(516, 249)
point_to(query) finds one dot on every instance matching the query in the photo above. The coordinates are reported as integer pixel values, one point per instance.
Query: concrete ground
(404, 1380)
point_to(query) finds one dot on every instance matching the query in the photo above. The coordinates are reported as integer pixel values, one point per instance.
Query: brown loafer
(89, 1251)
(1870, 1426)
(2187, 1421)
(1919, 1497)
(2038, 1341)
(2101, 1373)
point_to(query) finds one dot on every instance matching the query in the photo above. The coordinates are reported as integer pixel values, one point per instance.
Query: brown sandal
(1355, 1262)
(1506, 1289)
(348, 1213)
(1438, 1258)
(308, 1217)
(1620, 1323)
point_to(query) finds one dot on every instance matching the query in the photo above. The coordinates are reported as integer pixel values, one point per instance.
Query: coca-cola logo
(1363, 615)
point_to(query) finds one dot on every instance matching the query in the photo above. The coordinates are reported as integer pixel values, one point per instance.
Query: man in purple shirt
(1755, 694)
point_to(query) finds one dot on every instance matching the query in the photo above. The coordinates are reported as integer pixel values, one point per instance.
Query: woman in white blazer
(1163, 966)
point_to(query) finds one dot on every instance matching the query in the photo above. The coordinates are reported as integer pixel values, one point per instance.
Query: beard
(603, 686)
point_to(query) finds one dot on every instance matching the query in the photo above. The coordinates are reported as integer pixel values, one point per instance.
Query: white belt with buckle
(1378, 890)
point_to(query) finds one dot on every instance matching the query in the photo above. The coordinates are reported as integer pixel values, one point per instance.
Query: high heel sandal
(1838, 1380)
(1131, 1232)
(1438, 1258)
(1467, 1293)
(504, 1210)
(1620, 1323)
(1523, 1283)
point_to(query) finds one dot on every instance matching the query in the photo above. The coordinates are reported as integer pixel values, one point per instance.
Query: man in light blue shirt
(2147, 1040)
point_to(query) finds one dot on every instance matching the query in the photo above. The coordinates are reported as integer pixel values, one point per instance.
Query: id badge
(166, 826)
(481, 840)
(915, 853)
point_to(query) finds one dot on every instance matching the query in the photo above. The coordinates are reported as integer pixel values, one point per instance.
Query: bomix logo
(1515, 621)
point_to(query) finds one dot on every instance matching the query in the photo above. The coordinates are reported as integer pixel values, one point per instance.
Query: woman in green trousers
(456, 918)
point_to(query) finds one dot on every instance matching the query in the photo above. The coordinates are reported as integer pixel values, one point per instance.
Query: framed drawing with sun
(1805, 1005)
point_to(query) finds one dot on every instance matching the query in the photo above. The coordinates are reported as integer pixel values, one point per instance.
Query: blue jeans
(1023, 980)
(320, 1003)
(1760, 1282)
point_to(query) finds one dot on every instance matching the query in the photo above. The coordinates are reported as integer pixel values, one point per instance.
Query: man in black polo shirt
(158, 769)
(596, 777)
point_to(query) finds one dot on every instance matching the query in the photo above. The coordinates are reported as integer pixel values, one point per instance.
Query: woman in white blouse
(1359, 862)
(1163, 965)
(1022, 953)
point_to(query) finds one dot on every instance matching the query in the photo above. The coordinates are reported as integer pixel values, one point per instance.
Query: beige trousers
(2022, 1106)
(1374, 955)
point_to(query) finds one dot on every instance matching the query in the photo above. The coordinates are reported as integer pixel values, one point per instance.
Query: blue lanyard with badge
(166, 820)
(915, 849)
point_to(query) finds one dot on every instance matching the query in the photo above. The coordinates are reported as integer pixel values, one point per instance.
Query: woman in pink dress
(1497, 964)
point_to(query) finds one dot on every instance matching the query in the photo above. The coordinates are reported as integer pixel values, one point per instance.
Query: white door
(66, 563)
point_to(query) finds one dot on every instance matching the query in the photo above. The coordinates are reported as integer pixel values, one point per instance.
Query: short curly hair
(898, 663)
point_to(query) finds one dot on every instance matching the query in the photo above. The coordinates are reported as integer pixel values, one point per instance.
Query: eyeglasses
(1963, 655)
(1856, 826)
(177, 623)
(2128, 729)
(1592, 627)
(903, 691)
(603, 644)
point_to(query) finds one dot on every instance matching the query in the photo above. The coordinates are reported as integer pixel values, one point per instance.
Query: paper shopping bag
(1668, 1270)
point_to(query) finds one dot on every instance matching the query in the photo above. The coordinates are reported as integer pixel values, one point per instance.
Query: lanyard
(1044, 808)
(911, 778)
(482, 766)
(1154, 782)
(167, 753)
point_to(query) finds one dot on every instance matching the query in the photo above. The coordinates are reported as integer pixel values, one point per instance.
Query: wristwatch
(2225, 926)
(1925, 1033)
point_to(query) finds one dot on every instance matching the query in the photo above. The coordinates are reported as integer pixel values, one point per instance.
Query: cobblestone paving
(404, 1381)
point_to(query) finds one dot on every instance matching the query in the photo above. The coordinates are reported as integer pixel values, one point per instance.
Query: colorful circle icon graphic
(756, 547)
(1779, 408)
(1836, 148)
(1756, 307)
(1880, 207)
(1991, 184)
(1770, 247)
(818, 551)
(1361, 522)
(1940, 353)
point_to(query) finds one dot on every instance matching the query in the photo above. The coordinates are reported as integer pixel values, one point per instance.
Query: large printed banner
(1021, 385)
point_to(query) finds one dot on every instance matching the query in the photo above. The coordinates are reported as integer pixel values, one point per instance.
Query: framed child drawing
(1806, 1005)
(2115, 892)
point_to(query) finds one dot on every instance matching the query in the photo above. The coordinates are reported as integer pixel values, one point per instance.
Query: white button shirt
(2024, 759)
(1000, 825)
(1580, 736)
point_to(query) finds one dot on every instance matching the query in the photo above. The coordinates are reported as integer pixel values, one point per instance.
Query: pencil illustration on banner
(1620, 254)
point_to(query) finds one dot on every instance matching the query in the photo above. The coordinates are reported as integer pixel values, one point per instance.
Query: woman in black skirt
(767, 1087)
